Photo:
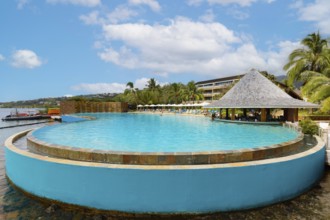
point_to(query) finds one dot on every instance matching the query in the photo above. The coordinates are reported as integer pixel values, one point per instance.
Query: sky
(54, 48)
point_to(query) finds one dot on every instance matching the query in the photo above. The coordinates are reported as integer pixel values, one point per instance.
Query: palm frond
(322, 93)
(325, 105)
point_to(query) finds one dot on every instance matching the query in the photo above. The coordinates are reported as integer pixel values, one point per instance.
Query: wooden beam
(232, 114)
(263, 115)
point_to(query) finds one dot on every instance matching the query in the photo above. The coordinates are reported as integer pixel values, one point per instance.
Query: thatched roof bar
(256, 91)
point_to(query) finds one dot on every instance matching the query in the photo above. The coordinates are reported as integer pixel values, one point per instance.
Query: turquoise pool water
(156, 133)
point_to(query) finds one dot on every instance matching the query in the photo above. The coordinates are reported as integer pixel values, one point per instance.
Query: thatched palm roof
(256, 91)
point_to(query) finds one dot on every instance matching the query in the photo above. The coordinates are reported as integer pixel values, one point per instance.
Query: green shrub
(308, 126)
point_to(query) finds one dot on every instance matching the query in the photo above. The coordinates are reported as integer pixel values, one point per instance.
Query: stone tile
(183, 159)
(217, 158)
(148, 159)
(130, 159)
(259, 154)
(233, 157)
(166, 159)
(115, 158)
(201, 159)
(247, 156)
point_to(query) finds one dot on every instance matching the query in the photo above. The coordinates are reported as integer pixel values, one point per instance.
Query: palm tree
(152, 84)
(147, 97)
(314, 56)
(175, 92)
(129, 88)
(131, 93)
(192, 93)
(130, 85)
(317, 88)
(326, 105)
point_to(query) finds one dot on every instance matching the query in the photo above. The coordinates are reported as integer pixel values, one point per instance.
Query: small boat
(16, 116)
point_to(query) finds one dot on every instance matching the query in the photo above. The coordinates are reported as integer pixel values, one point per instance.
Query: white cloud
(185, 46)
(112, 87)
(277, 59)
(25, 59)
(21, 3)
(2, 57)
(92, 18)
(121, 13)
(154, 5)
(317, 12)
(88, 3)
(181, 36)
(141, 83)
(100, 87)
(181, 46)
(243, 3)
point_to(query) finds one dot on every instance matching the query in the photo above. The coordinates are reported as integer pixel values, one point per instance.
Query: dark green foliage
(309, 127)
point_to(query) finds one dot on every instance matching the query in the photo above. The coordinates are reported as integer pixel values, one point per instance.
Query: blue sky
(57, 48)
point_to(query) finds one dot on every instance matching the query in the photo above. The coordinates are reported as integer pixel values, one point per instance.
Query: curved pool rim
(164, 158)
(165, 189)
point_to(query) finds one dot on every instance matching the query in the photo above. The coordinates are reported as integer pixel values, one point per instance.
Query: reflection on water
(315, 204)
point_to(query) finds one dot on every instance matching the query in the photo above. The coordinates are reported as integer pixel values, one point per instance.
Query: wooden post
(227, 114)
(296, 116)
(232, 114)
(291, 114)
(263, 115)
(244, 112)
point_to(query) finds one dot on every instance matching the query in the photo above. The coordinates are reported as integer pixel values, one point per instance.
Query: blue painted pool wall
(166, 191)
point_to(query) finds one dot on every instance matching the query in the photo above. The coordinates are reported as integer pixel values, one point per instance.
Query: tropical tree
(130, 93)
(314, 56)
(130, 85)
(192, 93)
(175, 92)
(317, 89)
(152, 84)
(147, 97)
(326, 105)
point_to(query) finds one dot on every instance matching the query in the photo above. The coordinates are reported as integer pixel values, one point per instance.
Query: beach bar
(255, 91)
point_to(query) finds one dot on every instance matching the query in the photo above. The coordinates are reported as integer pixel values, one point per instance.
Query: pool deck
(165, 158)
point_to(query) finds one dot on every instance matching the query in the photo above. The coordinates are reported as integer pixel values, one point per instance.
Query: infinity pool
(161, 133)
(170, 164)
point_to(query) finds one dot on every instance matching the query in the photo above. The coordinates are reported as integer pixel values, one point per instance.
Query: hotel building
(215, 87)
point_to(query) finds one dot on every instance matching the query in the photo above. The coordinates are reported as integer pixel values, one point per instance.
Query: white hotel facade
(215, 87)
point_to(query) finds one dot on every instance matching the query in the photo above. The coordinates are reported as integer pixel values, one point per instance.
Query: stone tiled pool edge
(163, 158)
(165, 188)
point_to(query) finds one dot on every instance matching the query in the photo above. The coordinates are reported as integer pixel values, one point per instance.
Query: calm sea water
(314, 204)
(157, 133)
